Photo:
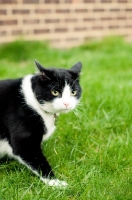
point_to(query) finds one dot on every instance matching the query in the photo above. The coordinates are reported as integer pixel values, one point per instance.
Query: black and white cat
(28, 108)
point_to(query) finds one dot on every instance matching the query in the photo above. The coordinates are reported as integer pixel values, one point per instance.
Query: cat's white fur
(32, 102)
(46, 111)
(67, 102)
(5, 149)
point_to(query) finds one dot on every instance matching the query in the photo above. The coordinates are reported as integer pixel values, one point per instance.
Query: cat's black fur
(20, 125)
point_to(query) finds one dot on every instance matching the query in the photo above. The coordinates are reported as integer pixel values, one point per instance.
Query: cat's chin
(64, 110)
(57, 111)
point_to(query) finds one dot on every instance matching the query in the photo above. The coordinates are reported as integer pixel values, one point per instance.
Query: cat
(28, 110)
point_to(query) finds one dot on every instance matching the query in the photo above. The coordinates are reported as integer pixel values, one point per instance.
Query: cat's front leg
(54, 182)
(38, 164)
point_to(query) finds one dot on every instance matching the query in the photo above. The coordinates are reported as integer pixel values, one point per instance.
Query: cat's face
(58, 90)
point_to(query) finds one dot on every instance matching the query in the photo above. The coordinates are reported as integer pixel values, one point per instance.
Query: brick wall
(64, 23)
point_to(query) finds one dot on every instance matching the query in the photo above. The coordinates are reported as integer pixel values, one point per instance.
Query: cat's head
(58, 90)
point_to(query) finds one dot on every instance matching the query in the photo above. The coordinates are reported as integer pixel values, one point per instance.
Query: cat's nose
(66, 104)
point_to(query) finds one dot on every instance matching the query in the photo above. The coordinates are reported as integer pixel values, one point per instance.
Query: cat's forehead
(62, 75)
(60, 72)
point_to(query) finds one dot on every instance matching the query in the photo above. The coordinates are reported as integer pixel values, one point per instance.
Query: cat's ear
(42, 70)
(77, 68)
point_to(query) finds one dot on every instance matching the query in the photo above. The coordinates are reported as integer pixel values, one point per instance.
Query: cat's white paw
(54, 182)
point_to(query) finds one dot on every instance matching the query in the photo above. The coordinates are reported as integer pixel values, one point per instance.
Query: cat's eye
(55, 92)
(73, 93)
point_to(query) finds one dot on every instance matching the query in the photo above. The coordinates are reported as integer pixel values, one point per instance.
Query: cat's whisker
(76, 115)
(80, 114)
(81, 104)
(81, 107)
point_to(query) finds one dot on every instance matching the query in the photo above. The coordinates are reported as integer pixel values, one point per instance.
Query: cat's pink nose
(66, 104)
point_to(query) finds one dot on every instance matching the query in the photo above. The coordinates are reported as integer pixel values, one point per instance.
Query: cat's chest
(48, 121)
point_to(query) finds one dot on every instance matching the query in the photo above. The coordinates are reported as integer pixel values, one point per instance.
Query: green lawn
(92, 151)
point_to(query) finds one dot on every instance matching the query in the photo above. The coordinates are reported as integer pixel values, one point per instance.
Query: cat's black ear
(77, 67)
(39, 66)
(42, 70)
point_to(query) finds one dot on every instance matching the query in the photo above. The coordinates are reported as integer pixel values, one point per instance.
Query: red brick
(61, 30)
(115, 9)
(52, 20)
(20, 11)
(51, 1)
(8, 22)
(31, 21)
(63, 10)
(17, 32)
(68, 1)
(129, 9)
(89, 1)
(8, 1)
(128, 26)
(113, 27)
(41, 31)
(106, 1)
(80, 28)
(88, 19)
(71, 20)
(106, 18)
(42, 11)
(30, 1)
(3, 12)
(81, 10)
(98, 10)
(122, 1)
(121, 18)
(2, 33)
(97, 27)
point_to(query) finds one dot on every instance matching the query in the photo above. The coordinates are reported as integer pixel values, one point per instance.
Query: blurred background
(64, 23)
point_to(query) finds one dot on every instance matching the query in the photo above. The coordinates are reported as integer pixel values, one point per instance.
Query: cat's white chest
(48, 121)
(31, 101)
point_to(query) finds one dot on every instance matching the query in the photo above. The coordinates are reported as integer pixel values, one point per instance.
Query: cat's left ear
(42, 70)
(77, 68)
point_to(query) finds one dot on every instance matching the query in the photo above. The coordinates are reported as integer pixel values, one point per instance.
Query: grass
(93, 150)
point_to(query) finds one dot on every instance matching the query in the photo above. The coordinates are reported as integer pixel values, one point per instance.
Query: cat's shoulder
(7, 82)
(10, 86)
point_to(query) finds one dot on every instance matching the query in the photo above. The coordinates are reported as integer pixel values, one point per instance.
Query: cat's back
(9, 89)
(9, 85)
